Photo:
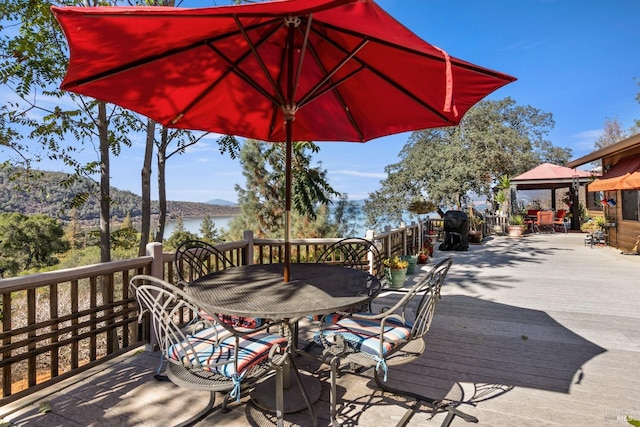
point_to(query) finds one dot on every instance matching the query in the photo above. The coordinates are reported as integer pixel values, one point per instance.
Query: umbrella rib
(335, 85)
(385, 78)
(259, 58)
(305, 43)
(472, 67)
(233, 67)
(152, 58)
(331, 73)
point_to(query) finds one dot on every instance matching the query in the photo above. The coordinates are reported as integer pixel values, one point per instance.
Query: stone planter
(395, 277)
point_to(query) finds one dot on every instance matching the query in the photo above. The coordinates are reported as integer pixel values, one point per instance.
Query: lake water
(193, 224)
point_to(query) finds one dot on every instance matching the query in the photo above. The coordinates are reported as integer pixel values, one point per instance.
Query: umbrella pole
(289, 117)
(287, 203)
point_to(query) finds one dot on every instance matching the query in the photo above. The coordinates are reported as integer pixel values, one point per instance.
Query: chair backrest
(421, 300)
(560, 214)
(354, 252)
(533, 212)
(545, 217)
(166, 304)
(426, 306)
(195, 258)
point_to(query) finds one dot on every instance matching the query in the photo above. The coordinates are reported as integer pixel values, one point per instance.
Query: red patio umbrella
(280, 71)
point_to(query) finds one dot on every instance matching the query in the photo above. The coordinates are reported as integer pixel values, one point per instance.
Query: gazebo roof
(549, 176)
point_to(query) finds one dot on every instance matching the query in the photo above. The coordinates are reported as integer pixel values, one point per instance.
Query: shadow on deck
(529, 332)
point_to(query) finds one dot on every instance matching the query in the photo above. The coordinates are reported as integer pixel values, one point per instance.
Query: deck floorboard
(539, 331)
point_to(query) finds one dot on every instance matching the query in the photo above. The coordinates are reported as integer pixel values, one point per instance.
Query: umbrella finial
(290, 111)
(292, 20)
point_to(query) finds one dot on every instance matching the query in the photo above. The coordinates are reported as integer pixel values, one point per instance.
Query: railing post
(370, 235)
(405, 236)
(154, 250)
(387, 230)
(248, 251)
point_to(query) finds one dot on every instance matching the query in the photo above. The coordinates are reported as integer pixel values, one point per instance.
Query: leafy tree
(636, 125)
(262, 202)
(29, 242)
(33, 70)
(72, 232)
(179, 236)
(127, 222)
(182, 139)
(209, 231)
(124, 238)
(612, 133)
(345, 217)
(444, 165)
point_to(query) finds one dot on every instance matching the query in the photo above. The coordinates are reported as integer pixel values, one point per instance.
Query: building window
(594, 200)
(630, 206)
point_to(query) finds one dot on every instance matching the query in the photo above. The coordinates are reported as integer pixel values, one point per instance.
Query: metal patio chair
(201, 356)
(354, 252)
(351, 252)
(195, 258)
(393, 337)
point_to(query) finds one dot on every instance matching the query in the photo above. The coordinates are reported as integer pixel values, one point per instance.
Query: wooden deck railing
(57, 324)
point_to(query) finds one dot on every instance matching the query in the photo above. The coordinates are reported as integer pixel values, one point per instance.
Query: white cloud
(589, 134)
(377, 175)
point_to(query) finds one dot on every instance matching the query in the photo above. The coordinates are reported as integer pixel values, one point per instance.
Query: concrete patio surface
(537, 331)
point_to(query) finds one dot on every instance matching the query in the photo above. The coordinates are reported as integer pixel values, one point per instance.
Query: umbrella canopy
(344, 70)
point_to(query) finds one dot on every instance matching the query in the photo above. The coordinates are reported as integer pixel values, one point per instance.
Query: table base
(264, 396)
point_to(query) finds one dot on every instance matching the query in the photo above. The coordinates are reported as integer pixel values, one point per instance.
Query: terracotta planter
(516, 230)
(475, 236)
(423, 258)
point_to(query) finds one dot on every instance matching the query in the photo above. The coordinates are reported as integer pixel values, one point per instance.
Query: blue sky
(576, 59)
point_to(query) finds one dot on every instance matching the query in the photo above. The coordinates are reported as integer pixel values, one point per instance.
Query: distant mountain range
(221, 202)
(50, 193)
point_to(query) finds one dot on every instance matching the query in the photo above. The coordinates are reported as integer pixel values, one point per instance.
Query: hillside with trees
(56, 195)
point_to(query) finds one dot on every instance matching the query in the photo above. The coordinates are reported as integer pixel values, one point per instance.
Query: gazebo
(548, 176)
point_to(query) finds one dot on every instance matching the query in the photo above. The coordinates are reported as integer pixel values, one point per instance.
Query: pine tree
(208, 231)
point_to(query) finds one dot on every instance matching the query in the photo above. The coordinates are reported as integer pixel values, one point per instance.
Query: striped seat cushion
(253, 350)
(364, 335)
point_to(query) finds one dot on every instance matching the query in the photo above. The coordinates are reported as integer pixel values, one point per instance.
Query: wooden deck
(539, 331)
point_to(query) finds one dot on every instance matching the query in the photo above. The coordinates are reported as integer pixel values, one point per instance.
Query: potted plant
(395, 270)
(500, 198)
(594, 225)
(516, 226)
(475, 227)
(412, 260)
(610, 223)
(426, 252)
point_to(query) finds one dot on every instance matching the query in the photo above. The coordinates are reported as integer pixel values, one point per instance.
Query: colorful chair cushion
(201, 347)
(364, 335)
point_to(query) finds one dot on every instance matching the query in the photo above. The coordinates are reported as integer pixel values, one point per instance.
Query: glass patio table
(259, 291)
